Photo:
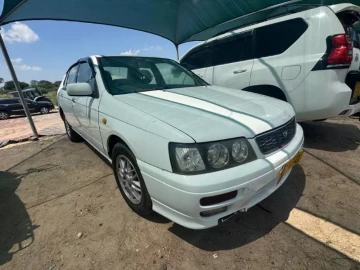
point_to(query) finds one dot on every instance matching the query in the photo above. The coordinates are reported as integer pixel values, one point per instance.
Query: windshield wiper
(151, 89)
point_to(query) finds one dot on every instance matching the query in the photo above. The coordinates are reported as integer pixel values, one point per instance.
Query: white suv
(192, 152)
(301, 55)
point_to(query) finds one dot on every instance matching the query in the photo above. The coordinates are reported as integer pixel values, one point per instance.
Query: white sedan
(193, 152)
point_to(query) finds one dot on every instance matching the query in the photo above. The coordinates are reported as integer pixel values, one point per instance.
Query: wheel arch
(62, 115)
(112, 140)
(267, 90)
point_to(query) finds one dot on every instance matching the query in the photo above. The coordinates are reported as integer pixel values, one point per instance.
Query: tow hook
(222, 220)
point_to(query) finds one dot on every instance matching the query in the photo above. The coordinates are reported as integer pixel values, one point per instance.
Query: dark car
(13, 106)
(32, 94)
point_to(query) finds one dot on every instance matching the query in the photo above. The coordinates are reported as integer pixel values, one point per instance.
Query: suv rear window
(276, 38)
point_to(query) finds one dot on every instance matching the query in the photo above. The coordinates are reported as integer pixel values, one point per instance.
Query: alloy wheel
(44, 110)
(129, 180)
(4, 115)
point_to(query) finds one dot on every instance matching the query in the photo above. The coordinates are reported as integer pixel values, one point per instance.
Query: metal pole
(177, 52)
(17, 86)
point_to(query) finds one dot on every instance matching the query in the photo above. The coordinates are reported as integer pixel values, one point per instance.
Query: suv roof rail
(290, 9)
(272, 15)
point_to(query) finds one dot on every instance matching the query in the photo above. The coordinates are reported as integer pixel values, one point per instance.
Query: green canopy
(176, 20)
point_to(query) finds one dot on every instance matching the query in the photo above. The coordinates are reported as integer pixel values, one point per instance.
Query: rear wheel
(130, 180)
(44, 110)
(4, 115)
(72, 135)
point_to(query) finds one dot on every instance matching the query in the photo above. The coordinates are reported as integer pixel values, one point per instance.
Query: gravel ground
(60, 208)
(17, 127)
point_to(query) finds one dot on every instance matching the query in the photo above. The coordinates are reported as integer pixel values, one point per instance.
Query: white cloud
(26, 67)
(19, 32)
(131, 52)
(16, 60)
(153, 48)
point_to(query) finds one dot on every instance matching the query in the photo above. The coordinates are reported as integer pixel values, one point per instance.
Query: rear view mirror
(79, 89)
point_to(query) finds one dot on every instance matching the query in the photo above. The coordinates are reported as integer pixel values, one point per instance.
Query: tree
(44, 84)
(33, 83)
(10, 86)
(1, 80)
(57, 83)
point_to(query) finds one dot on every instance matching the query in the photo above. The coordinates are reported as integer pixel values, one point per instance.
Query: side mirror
(79, 89)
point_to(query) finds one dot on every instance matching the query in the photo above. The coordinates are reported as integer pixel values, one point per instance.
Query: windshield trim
(196, 78)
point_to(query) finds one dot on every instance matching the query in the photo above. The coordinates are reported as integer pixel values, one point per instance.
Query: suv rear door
(199, 61)
(233, 60)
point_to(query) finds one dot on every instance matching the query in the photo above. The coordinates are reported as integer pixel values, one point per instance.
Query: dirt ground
(54, 191)
(17, 127)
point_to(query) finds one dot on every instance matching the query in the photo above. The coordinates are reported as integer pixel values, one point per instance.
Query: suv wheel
(4, 115)
(130, 180)
(72, 135)
(44, 110)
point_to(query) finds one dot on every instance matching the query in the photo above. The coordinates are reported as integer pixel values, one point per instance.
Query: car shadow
(16, 229)
(330, 136)
(245, 228)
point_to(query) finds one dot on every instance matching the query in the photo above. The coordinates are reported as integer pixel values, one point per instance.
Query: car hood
(209, 113)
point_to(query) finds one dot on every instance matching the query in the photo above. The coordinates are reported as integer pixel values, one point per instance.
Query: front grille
(277, 138)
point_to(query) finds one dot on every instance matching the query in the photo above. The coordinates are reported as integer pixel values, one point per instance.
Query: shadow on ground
(330, 136)
(245, 228)
(16, 229)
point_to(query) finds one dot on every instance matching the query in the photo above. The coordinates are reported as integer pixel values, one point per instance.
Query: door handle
(239, 71)
(73, 100)
(200, 75)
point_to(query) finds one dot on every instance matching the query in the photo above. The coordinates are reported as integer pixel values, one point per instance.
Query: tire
(4, 115)
(141, 203)
(72, 135)
(44, 110)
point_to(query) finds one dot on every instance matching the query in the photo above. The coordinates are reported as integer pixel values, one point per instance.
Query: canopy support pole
(17, 86)
(177, 52)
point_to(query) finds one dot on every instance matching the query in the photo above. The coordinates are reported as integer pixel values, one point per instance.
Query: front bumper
(177, 197)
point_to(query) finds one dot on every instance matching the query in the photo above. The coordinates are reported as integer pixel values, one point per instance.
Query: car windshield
(124, 75)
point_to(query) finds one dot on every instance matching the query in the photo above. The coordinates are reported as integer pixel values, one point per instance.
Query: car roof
(25, 90)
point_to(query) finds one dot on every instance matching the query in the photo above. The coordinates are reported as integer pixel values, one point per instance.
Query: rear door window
(199, 58)
(233, 49)
(276, 38)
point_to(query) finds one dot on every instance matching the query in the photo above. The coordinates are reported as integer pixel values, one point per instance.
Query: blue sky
(43, 50)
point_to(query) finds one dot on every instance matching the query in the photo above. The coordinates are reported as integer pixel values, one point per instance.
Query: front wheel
(72, 135)
(44, 110)
(130, 180)
(4, 115)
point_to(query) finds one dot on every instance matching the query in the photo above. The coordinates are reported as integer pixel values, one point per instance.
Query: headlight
(196, 158)
(189, 159)
(217, 155)
(240, 150)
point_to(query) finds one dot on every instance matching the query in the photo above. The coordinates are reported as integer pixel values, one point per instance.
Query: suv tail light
(342, 50)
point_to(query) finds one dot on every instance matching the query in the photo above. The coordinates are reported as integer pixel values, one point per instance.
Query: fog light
(209, 213)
